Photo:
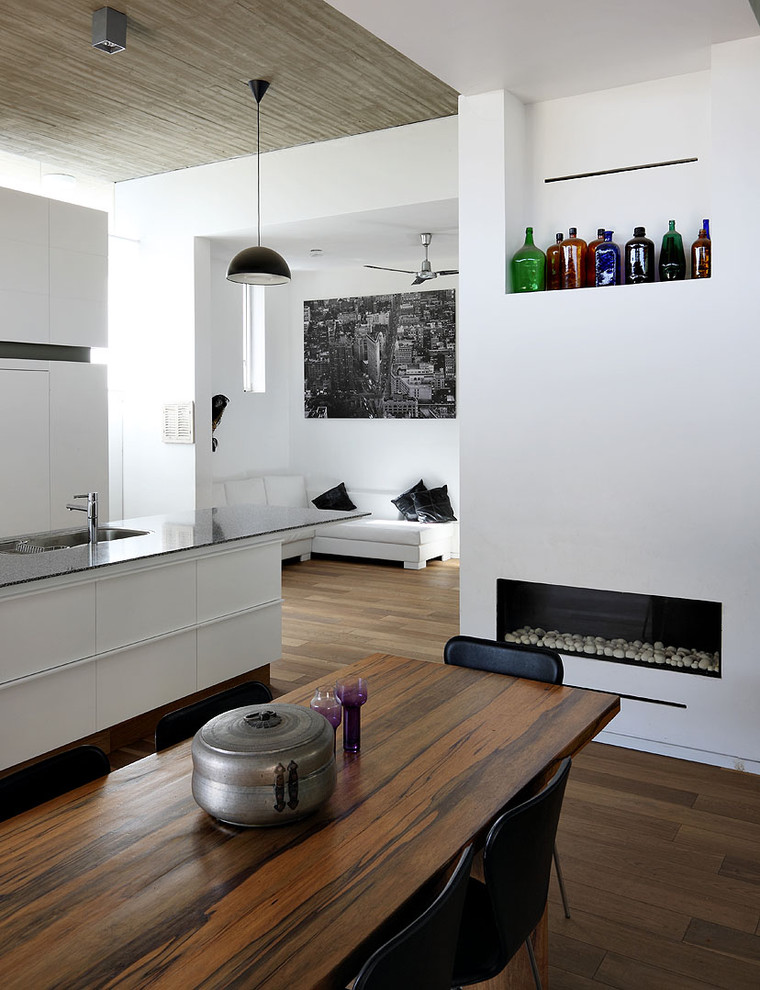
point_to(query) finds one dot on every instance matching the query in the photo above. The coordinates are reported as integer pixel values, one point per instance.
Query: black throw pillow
(334, 498)
(433, 506)
(405, 503)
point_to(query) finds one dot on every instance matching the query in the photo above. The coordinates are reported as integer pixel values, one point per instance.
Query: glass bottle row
(572, 263)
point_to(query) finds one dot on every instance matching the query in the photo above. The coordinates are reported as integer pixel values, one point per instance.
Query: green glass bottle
(528, 266)
(672, 257)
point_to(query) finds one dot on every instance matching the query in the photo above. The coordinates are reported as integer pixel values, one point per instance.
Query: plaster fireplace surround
(675, 634)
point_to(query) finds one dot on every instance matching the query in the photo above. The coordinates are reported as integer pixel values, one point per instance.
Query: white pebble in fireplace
(616, 649)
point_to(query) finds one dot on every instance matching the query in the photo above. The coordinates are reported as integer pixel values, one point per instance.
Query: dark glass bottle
(701, 256)
(528, 266)
(672, 258)
(573, 258)
(639, 258)
(554, 264)
(607, 262)
(590, 255)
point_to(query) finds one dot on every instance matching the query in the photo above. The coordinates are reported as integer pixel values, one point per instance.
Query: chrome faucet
(92, 513)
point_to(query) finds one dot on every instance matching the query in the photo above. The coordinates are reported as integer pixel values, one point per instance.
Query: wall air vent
(178, 422)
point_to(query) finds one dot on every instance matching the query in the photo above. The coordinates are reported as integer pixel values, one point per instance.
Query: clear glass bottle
(573, 255)
(590, 256)
(607, 262)
(554, 264)
(701, 256)
(672, 265)
(639, 258)
(528, 267)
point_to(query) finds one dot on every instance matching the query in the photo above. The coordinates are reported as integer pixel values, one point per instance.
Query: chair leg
(533, 965)
(561, 882)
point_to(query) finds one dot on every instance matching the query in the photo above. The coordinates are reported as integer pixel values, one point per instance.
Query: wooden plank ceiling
(178, 95)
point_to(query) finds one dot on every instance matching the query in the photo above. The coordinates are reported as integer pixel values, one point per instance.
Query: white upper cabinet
(53, 271)
(78, 275)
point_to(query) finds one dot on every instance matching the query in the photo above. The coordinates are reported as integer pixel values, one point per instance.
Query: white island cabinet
(93, 638)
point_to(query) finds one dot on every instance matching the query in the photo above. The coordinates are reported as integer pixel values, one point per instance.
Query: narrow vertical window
(254, 364)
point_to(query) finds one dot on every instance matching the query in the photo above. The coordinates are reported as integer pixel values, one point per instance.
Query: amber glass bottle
(639, 258)
(554, 264)
(591, 256)
(701, 256)
(573, 261)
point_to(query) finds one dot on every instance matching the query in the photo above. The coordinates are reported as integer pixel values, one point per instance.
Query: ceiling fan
(426, 272)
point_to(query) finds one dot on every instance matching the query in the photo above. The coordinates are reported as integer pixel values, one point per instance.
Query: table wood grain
(127, 883)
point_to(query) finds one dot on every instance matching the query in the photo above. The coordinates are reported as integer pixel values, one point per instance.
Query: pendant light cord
(258, 169)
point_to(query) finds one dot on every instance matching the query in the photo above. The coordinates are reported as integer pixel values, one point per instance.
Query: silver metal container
(263, 764)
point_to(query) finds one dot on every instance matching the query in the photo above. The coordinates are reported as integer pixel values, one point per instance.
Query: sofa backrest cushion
(286, 489)
(246, 491)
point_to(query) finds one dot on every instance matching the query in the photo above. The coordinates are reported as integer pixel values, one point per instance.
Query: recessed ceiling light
(315, 252)
(58, 180)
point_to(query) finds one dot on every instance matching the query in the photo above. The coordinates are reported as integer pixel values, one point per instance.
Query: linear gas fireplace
(645, 630)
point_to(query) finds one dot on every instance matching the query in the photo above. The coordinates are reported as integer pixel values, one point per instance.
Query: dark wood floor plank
(615, 905)
(578, 958)
(625, 973)
(727, 941)
(743, 807)
(673, 959)
(747, 870)
(658, 792)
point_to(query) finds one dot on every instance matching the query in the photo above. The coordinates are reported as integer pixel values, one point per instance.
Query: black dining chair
(538, 663)
(50, 778)
(185, 722)
(421, 956)
(500, 914)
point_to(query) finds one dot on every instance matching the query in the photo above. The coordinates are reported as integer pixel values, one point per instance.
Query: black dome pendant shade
(258, 265)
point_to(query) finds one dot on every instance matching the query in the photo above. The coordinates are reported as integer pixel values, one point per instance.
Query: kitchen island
(95, 636)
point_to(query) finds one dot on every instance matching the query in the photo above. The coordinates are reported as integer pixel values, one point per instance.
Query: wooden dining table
(127, 883)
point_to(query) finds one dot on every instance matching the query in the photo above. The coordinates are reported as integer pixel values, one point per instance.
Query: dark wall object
(218, 404)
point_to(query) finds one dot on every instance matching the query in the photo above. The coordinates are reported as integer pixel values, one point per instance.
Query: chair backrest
(49, 778)
(538, 663)
(185, 722)
(422, 954)
(517, 862)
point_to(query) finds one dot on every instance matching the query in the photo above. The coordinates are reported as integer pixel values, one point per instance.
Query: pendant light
(258, 265)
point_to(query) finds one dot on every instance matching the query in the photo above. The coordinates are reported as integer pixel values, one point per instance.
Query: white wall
(604, 434)
(181, 309)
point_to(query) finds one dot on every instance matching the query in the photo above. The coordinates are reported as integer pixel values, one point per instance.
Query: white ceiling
(546, 50)
(380, 237)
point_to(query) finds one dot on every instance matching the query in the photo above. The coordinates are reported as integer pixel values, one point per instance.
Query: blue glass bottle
(607, 261)
(706, 228)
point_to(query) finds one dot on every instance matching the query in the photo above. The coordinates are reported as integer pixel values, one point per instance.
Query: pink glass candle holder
(352, 693)
(325, 702)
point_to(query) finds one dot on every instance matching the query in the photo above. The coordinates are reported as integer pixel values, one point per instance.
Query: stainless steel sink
(43, 542)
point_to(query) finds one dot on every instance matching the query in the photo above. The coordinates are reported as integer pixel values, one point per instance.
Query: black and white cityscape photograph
(381, 357)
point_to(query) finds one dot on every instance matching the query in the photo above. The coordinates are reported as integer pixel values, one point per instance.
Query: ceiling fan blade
(381, 268)
(418, 280)
(452, 272)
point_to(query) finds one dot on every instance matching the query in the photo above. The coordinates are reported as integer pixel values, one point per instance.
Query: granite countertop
(167, 534)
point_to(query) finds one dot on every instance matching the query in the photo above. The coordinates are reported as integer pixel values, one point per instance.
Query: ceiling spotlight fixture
(258, 265)
(315, 252)
(109, 30)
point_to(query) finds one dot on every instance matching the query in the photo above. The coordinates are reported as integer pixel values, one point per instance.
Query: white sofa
(384, 535)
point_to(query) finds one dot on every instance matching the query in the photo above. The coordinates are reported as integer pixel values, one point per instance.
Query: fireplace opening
(644, 630)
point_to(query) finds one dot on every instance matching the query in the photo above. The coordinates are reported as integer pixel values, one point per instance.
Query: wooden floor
(661, 857)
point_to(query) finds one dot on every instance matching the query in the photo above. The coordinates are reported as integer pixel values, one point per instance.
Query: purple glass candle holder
(325, 702)
(352, 693)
